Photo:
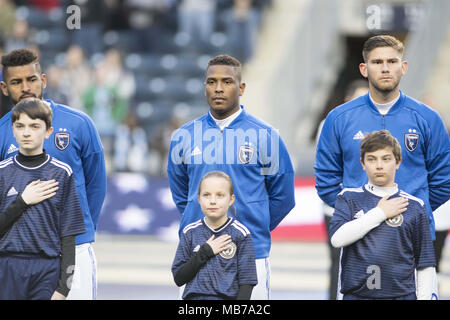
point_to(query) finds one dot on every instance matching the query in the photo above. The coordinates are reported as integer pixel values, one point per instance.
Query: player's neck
(382, 191)
(217, 224)
(383, 97)
(33, 160)
(225, 116)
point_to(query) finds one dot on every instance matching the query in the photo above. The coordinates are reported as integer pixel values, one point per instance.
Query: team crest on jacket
(246, 153)
(229, 252)
(411, 141)
(62, 140)
(395, 221)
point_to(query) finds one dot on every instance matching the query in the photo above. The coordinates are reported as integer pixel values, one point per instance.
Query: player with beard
(420, 130)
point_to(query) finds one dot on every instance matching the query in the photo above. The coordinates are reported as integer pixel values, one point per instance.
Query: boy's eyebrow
(223, 78)
(34, 121)
(382, 156)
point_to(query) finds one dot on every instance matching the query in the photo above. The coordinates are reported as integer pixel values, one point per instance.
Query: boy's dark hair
(381, 41)
(20, 57)
(378, 140)
(35, 109)
(226, 60)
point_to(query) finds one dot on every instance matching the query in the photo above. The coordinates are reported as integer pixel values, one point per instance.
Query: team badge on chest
(245, 154)
(62, 140)
(411, 140)
(395, 221)
(229, 252)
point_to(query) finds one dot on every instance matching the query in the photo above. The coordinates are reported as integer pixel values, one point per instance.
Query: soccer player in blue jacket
(40, 213)
(74, 141)
(248, 150)
(215, 257)
(420, 130)
(383, 231)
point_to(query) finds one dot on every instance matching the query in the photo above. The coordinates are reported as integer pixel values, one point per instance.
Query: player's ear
(241, 88)
(404, 67)
(44, 80)
(362, 163)
(363, 69)
(3, 87)
(232, 198)
(49, 132)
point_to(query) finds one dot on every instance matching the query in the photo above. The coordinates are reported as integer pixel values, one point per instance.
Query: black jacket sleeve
(11, 214)
(188, 271)
(67, 266)
(245, 292)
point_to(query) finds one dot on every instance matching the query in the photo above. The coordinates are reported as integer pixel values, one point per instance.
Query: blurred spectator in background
(7, 18)
(90, 35)
(56, 89)
(161, 140)
(43, 5)
(106, 107)
(356, 89)
(147, 20)
(130, 146)
(20, 36)
(242, 21)
(197, 19)
(77, 75)
(116, 75)
(116, 15)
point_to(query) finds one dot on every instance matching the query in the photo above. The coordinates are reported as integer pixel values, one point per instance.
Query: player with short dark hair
(40, 214)
(215, 257)
(250, 151)
(383, 231)
(75, 141)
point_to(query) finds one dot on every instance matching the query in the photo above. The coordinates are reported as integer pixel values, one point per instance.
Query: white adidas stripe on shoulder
(63, 165)
(360, 189)
(241, 228)
(6, 162)
(242, 225)
(407, 195)
(192, 225)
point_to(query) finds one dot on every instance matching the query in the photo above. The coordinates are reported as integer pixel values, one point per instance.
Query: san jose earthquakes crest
(62, 140)
(229, 252)
(246, 153)
(395, 221)
(411, 140)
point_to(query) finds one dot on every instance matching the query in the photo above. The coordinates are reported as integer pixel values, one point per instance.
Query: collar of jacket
(396, 107)
(233, 123)
(51, 103)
